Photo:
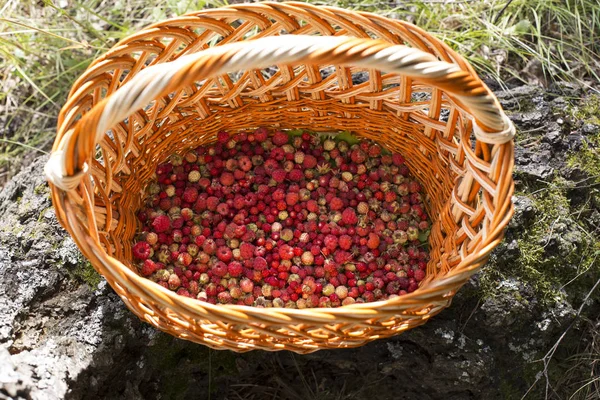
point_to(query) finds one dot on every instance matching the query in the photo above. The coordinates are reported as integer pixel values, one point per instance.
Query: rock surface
(65, 334)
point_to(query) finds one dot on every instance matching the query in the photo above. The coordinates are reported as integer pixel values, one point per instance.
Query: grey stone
(61, 337)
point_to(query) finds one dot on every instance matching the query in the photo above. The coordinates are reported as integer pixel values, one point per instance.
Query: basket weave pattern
(108, 147)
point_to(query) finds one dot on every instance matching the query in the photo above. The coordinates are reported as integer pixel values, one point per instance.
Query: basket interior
(184, 129)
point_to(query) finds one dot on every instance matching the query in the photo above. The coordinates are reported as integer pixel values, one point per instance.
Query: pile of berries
(284, 220)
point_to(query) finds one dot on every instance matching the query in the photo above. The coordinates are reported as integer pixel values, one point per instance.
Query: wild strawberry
(141, 250)
(236, 292)
(341, 292)
(223, 209)
(374, 150)
(347, 301)
(292, 198)
(190, 195)
(286, 252)
(397, 159)
(280, 138)
(331, 242)
(287, 234)
(246, 251)
(235, 269)
(336, 204)
(261, 134)
(279, 175)
(246, 285)
(345, 242)
(307, 258)
(244, 163)
(419, 275)
(162, 223)
(260, 263)
(225, 297)
(209, 246)
(174, 282)
(373, 241)
(349, 216)
(312, 206)
(219, 269)
(414, 187)
(231, 165)
(212, 202)
(151, 238)
(328, 144)
(358, 156)
(389, 196)
(299, 157)
(412, 233)
(194, 176)
(226, 179)
(341, 257)
(295, 175)
(185, 258)
(148, 268)
(309, 161)
(224, 254)
(362, 207)
(222, 137)
(328, 289)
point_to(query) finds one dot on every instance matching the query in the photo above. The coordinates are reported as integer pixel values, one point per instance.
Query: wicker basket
(172, 87)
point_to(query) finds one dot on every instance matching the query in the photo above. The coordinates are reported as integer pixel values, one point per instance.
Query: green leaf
(423, 236)
(384, 150)
(295, 132)
(347, 137)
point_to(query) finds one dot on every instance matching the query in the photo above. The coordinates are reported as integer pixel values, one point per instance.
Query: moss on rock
(587, 158)
(85, 272)
(554, 251)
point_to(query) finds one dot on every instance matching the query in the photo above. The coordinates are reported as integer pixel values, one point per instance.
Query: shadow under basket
(172, 86)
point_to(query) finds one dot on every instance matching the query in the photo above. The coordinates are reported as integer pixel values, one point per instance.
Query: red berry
(280, 138)
(222, 137)
(309, 162)
(149, 268)
(260, 263)
(235, 269)
(246, 285)
(291, 198)
(336, 204)
(295, 175)
(373, 241)
(279, 175)
(141, 250)
(224, 254)
(190, 195)
(349, 216)
(419, 275)
(227, 179)
(247, 251)
(345, 242)
(162, 223)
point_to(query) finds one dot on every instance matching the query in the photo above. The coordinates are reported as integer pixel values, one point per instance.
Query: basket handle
(67, 163)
